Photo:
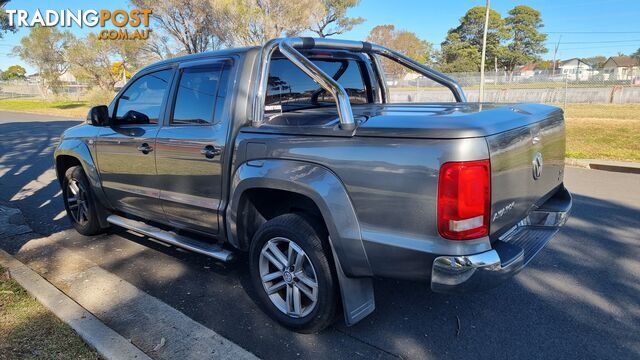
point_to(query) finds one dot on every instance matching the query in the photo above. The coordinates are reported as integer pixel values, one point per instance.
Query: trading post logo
(129, 25)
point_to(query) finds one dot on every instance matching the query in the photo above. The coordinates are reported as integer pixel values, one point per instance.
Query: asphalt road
(580, 298)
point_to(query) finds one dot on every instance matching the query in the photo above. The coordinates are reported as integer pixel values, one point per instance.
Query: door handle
(145, 148)
(210, 151)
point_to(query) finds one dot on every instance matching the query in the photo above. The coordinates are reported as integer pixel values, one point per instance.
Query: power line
(595, 47)
(600, 42)
(592, 32)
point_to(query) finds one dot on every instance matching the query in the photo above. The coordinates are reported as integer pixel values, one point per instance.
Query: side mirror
(98, 116)
(135, 117)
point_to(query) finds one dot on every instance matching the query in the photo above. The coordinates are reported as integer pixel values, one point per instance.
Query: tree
(404, 42)
(158, 47)
(93, 58)
(195, 25)
(465, 41)
(44, 48)
(527, 42)
(254, 22)
(13, 72)
(545, 65)
(4, 20)
(458, 56)
(636, 54)
(332, 19)
(597, 62)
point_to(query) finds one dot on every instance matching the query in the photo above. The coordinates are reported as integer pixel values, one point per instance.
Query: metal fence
(17, 89)
(534, 86)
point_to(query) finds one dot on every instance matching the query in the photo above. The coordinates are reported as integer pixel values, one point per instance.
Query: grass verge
(603, 131)
(65, 108)
(594, 131)
(29, 331)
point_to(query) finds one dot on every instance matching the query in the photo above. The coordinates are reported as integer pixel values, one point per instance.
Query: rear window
(289, 88)
(201, 94)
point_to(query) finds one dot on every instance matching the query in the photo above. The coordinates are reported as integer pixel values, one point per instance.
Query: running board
(214, 251)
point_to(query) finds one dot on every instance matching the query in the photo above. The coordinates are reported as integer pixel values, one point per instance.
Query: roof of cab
(200, 56)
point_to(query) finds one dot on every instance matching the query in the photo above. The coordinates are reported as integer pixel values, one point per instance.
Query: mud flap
(358, 299)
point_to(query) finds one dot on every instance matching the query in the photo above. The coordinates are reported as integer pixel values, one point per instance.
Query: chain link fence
(580, 86)
(26, 89)
(536, 86)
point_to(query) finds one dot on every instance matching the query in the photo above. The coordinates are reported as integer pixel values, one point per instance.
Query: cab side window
(200, 95)
(141, 103)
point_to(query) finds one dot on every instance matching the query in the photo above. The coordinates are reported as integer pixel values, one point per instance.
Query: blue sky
(587, 27)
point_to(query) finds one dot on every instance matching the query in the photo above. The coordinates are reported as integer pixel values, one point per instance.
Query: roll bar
(289, 48)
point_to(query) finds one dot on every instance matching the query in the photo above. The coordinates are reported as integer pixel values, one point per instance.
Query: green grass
(29, 331)
(603, 131)
(594, 131)
(66, 108)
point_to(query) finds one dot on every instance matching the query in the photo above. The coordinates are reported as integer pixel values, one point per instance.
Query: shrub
(97, 96)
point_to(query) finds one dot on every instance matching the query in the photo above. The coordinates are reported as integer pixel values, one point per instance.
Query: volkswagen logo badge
(537, 165)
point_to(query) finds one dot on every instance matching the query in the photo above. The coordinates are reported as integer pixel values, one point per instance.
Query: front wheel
(79, 202)
(292, 274)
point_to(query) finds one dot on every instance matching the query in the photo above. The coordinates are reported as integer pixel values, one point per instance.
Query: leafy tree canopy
(405, 42)
(527, 42)
(13, 72)
(596, 61)
(4, 20)
(512, 41)
(92, 58)
(45, 48)
(332, 18)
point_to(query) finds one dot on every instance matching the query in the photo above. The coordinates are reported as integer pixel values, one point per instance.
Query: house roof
(624, 61)
(528, 67)
(565, 62)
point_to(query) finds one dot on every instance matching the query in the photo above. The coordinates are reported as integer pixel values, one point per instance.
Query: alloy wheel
(77, 202)
(288, 277)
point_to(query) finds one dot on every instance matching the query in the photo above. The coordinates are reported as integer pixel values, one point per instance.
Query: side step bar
(214, 251)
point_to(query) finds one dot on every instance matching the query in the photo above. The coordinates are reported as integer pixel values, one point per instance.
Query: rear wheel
(79, 202)
(292, 275)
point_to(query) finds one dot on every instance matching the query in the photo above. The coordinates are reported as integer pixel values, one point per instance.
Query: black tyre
(79, 202)
(292, 274)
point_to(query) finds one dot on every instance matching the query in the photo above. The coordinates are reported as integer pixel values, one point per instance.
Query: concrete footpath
(116, 318)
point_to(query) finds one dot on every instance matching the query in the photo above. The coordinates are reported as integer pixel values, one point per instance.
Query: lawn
(29, 331)
(594, 131)
(65, 108)
(603, 131)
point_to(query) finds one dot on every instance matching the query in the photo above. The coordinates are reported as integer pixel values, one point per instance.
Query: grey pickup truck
(297, 153)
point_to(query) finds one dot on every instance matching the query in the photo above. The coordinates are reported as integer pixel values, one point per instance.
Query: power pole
(484, 52)
(555, 52)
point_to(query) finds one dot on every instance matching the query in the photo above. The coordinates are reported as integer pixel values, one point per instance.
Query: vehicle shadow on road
(577, 299)
(27, 177)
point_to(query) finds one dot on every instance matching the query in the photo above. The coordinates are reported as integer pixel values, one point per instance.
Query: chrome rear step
(211, 250)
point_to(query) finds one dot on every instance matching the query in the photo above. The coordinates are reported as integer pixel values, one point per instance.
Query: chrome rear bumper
(510, 254)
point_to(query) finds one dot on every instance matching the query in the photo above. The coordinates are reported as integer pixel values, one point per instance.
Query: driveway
(580, 298)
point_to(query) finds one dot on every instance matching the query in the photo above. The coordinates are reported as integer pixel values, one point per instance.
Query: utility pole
(484, 52)
(555, 52)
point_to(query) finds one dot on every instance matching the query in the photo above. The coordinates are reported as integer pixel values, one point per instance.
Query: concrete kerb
(605, 165)
(129, 330)
(103, 339)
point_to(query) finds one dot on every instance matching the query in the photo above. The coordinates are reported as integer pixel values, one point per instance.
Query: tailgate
(527, 164)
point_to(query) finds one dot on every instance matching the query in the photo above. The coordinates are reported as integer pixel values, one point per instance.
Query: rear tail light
(464, 196)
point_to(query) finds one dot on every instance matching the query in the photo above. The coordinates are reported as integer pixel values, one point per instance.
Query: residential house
(67, 78)
(576, 70)
(622, 68)
(524, 72)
